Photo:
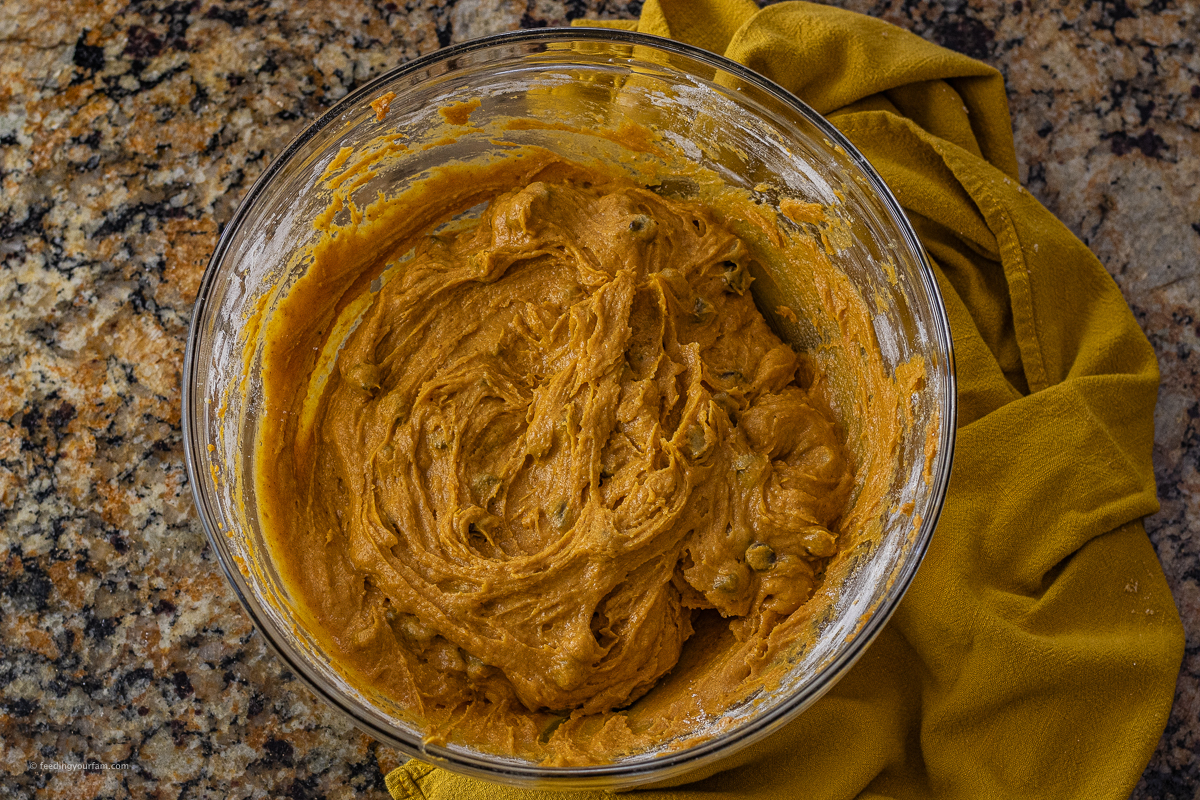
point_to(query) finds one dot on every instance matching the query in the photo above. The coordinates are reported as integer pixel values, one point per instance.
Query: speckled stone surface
(128, 134)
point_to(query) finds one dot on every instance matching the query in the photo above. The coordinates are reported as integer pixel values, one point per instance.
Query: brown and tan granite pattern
(129, 132)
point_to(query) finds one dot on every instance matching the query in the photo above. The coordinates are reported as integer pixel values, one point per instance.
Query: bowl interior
(574, 85)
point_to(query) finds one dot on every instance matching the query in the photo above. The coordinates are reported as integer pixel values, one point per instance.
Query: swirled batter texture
(556, 435)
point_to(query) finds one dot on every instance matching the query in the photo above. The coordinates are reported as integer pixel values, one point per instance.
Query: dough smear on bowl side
(544, 476)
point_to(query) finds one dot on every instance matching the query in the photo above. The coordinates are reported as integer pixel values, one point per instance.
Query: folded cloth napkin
(1036, 652)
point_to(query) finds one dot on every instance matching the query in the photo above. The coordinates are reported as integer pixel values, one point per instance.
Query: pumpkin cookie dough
(511, 463)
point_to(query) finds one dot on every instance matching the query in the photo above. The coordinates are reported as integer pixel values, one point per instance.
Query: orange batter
(557, 440)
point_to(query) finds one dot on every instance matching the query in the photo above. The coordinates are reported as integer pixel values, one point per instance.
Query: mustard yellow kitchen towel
(1036, 652)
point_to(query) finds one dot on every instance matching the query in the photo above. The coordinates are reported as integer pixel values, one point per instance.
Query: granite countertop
(128, 135)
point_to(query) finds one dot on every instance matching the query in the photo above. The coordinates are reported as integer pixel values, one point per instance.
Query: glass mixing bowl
(713, 113)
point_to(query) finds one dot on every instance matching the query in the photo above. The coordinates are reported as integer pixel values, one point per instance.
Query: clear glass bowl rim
(624, 775)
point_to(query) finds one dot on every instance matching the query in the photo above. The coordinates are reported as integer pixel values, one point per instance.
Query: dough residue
(512, 462)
